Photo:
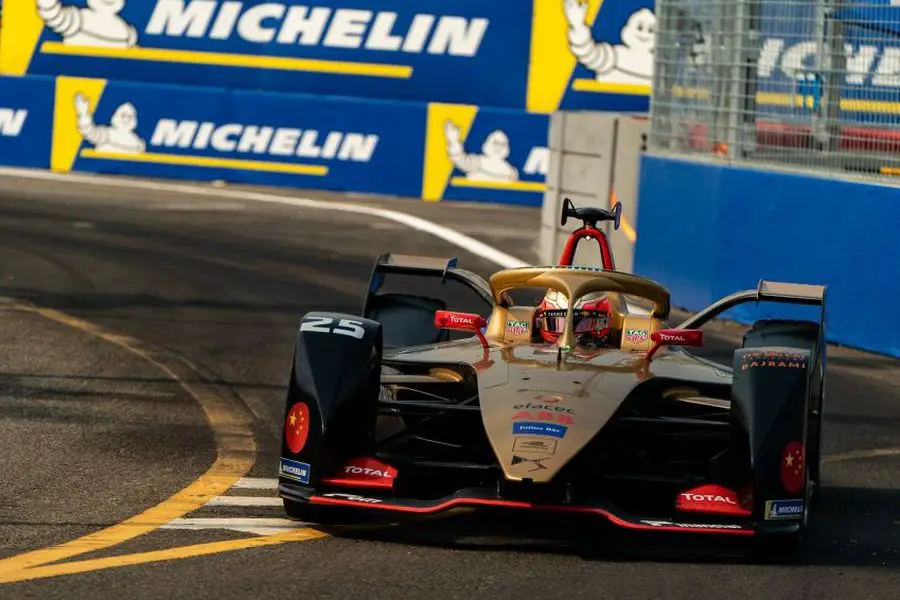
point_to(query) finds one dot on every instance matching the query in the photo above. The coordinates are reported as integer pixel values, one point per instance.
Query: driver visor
(583, 321)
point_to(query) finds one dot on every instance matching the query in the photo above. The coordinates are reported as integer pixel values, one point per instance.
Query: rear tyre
(815, 434)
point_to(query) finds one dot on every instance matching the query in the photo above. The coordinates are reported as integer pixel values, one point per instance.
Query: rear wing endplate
(766, 291)
(427, 266)
(800, 293)
(409, 263)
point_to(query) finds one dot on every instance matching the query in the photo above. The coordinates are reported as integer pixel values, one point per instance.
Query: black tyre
(787, 547)
(816, 417)
(807, 335)
(778, 549)
(782, 548)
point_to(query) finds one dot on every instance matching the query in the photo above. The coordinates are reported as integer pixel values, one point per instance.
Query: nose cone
(535, 432)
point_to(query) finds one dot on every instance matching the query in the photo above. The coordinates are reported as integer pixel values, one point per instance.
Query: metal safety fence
(806, 84)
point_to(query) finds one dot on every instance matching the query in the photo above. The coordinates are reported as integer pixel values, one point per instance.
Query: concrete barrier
(594, 160)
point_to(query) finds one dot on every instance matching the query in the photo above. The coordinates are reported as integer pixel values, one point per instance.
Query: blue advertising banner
(466, 51)
(789, 84)
(254, 137)
(406, 149)
(591, 55)
(26, 121)
(484, 154)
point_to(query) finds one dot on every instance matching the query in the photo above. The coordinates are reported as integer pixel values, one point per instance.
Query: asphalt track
(146, 342)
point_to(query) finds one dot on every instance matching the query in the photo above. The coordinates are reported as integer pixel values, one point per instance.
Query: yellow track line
(235, 448)
(96, 564)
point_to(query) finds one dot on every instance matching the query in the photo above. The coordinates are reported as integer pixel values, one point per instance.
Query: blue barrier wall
(455, 50)
(408, 149)
(204, 133)
(26, 121)
(708, 230)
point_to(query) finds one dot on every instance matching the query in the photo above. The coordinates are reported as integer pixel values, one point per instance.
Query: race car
(583, 400)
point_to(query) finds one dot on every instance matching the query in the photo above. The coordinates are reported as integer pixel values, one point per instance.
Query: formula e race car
(582, 400)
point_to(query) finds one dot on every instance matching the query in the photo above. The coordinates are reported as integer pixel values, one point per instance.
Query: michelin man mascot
(117, 138)
(630, 62)
(490, 165)
(97, 25)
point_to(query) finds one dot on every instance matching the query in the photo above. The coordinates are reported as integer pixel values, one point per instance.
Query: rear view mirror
(447, 319)
(675, 337)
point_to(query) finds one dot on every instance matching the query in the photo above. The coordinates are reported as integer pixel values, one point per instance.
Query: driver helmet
(590, 317)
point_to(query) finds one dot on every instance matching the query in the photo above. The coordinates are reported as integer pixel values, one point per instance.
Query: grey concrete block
(585, 175)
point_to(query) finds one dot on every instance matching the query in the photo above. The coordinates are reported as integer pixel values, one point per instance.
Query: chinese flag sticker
(296, 427)
(793, 473)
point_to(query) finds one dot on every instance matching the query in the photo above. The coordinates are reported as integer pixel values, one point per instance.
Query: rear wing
(766, 291)
(409, 263)
(426, 266)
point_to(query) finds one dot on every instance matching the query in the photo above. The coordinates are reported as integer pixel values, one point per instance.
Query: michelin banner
(239, 136)
(491, 155)
(787, 65)
(539, 54)
(466, 51)
(406, 149)
(26, 121)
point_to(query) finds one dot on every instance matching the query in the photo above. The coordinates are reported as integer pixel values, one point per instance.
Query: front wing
(483, 498)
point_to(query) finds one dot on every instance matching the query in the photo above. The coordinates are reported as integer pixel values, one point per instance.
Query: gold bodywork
(561, 394)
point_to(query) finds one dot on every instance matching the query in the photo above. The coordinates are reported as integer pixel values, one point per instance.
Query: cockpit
(610, 309)
(590, 319)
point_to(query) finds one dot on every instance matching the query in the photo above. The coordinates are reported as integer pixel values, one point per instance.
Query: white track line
(452, 236)
(245, 501)
(256, 483)
(255, 526)
(861, 454)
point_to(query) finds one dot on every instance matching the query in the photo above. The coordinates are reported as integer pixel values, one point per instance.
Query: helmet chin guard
(590, 317)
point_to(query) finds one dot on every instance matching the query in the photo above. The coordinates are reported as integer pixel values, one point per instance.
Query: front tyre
(786, 548)
(778, 549)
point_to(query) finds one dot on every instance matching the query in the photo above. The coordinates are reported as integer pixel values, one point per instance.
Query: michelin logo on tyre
(292, 469)
(784, 509)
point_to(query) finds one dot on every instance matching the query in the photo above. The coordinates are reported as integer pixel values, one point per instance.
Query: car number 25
(327, 325)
